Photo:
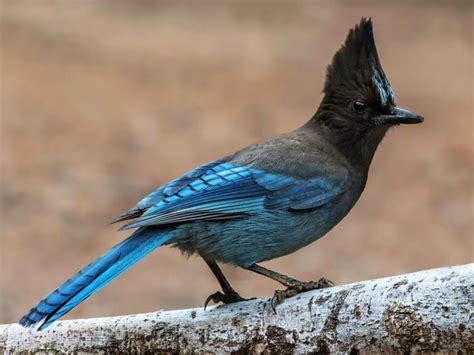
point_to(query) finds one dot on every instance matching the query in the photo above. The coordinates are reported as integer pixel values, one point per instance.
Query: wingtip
(121, 218)
(130, 214)
(115, 220)
(134, 224)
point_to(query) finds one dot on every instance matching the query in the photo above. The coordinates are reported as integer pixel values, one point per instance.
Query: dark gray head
(359, 104)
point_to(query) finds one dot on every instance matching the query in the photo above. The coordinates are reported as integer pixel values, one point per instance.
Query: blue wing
(165, 191)
(222, 190)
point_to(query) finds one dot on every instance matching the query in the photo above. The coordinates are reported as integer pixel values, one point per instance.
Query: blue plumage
(228, 191)
(265, 201)
(93, 277)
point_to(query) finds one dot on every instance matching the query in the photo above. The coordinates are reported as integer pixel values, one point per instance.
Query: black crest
(356, 69)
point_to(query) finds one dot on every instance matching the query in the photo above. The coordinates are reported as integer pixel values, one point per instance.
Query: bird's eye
(359, 106)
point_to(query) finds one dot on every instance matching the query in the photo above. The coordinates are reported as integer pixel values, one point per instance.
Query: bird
(266, 200)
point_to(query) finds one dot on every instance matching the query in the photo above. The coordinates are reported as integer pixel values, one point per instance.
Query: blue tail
(94, 276)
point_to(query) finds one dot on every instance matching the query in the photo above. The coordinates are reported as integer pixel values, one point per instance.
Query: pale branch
(427, 311)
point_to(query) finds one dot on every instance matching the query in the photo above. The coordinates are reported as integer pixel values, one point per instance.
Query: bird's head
(359, 103)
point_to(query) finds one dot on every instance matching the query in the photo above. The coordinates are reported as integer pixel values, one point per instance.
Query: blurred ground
(101, 102)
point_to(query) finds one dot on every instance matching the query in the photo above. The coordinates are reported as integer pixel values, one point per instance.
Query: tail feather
(94, 276)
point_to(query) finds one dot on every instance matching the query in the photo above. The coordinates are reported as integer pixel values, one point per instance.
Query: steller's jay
(265, 201)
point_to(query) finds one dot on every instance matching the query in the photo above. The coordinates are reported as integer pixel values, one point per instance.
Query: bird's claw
(322, 283)
(280, 295)
(228, 297)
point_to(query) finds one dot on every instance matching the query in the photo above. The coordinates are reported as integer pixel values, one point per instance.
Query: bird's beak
(400, 116)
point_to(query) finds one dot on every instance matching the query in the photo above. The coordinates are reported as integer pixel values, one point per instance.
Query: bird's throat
(358, 146)
(361, 152)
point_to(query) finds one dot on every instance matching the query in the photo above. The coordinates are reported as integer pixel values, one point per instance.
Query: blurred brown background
(101, 102)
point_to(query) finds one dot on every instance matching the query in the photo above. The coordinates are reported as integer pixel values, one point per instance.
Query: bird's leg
(293, 286)
(228, 294)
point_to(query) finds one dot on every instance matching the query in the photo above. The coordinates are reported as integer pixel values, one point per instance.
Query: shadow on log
(427, 311)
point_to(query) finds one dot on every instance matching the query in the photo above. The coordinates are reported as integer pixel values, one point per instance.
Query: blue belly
(253, 239)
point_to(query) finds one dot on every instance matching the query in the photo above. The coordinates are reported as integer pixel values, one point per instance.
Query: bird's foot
(229, 296)
(298, 287)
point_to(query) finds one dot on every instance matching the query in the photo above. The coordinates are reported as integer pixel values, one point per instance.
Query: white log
(427, 311)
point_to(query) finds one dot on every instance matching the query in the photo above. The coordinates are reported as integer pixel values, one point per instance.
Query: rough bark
(427, 311)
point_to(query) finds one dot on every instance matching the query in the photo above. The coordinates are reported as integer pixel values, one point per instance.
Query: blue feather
(227, 191)
(167, 190)
(94, 276)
